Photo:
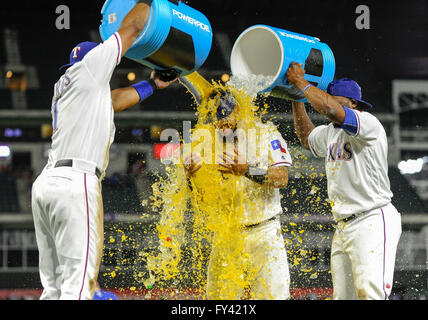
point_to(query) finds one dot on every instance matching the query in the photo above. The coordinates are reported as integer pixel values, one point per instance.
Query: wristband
(306, 88)
(260, 178)
(144, 89)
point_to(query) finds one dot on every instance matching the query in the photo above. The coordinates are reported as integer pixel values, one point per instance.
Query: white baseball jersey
(82, 109)
(265, 202)
(67, 201)
(356, 164)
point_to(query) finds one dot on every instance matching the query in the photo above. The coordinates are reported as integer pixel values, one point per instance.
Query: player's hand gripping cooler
(176, 40)
(262, 50)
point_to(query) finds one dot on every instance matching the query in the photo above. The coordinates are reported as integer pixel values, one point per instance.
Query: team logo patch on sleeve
(277, 145)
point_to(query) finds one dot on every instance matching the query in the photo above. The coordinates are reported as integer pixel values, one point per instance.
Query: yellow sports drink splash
(204, 211)
(214, 202)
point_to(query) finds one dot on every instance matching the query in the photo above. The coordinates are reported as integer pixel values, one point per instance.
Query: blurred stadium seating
(120, 195)
(8, 193)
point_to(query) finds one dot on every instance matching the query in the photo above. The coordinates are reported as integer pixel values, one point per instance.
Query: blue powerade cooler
(176, 36)
(268, 51)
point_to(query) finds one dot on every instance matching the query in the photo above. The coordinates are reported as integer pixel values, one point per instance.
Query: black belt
(347, 219)
(260, 223)
(69, 163)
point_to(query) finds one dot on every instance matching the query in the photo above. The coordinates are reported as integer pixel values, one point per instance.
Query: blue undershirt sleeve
(351, 123)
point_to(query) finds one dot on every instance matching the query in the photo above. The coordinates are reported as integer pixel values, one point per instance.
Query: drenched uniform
(66, 197)
(263, 245)
(368, 225)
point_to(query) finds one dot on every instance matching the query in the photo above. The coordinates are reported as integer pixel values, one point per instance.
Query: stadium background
(389, 61)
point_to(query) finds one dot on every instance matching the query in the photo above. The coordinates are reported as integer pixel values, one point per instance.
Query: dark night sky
(396, 46)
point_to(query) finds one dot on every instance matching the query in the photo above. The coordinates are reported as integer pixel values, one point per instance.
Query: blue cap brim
(365, 104)
(65, 66)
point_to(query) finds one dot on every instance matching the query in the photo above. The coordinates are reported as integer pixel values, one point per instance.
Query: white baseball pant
(68, 220)
(265, 249)
(363, 255)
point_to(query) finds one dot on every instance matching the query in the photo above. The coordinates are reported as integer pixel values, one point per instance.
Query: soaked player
(262, 178)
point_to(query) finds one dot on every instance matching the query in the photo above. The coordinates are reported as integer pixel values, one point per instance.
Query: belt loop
(79, 165)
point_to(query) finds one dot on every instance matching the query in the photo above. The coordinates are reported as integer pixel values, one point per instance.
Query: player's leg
(373, 240)
(213, 274)
(79, 235)
(48, 260)
(393, 233)
(341, 269)
(220, 275)
(269, 256)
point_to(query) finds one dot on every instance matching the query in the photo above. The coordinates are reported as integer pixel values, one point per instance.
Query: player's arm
(276, 177)
(123, 98)
(302, 124)
(279, 159)
(133, 24)
(102, 60)
(324, 103)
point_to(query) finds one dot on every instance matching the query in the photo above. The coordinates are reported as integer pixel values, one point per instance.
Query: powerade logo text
(295, 36)
(191, 20)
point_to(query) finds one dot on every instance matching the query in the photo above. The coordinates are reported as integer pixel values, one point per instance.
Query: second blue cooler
(268, 51)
